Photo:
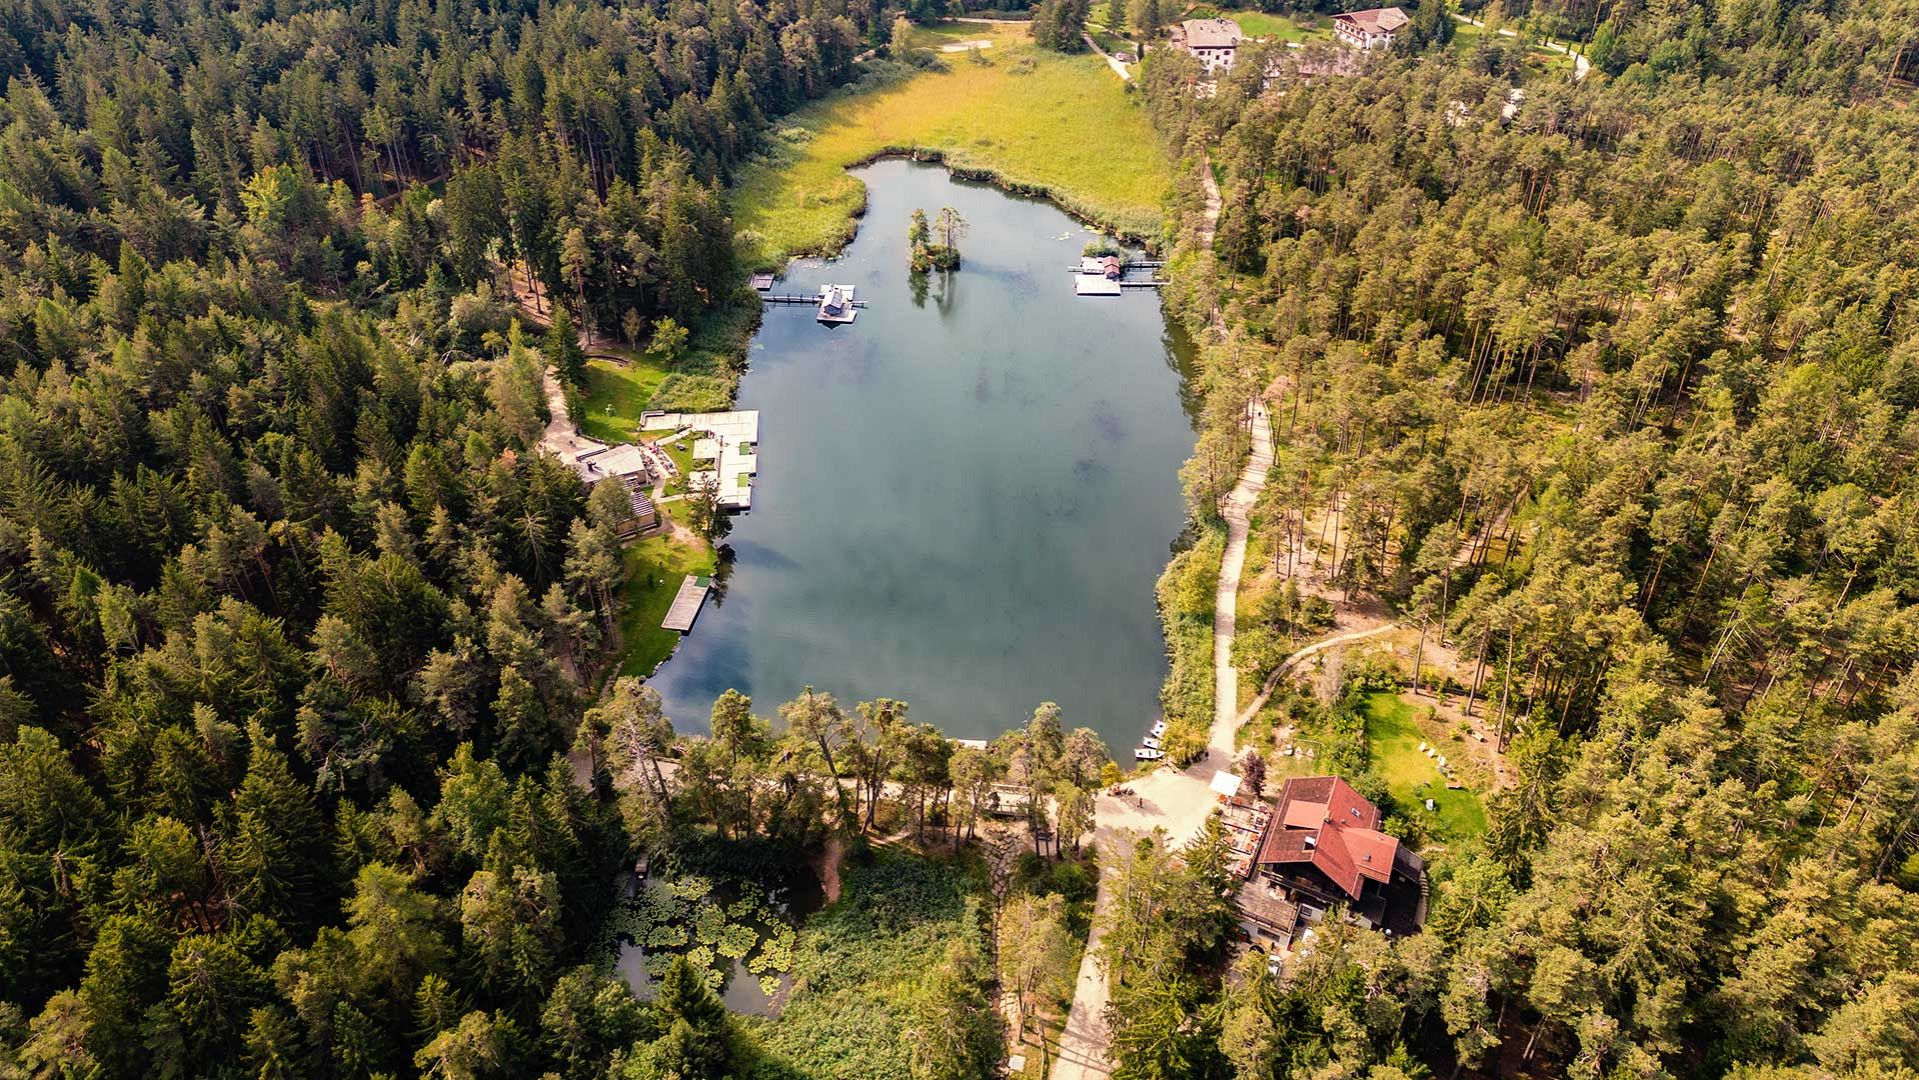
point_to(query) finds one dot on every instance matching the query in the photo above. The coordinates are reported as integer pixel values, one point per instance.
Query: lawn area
(1539, 59)
(1393, 741)
(655, 567)
(615, 397)
(1301, 28)
(1062, 123)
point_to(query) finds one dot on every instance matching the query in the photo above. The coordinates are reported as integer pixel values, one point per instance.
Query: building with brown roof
(1215, 42)
(1323, 850)
(1370, 29)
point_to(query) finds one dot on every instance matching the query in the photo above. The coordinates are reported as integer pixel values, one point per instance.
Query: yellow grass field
(1032, 117)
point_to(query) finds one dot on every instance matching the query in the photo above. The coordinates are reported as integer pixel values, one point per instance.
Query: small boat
(1143, 754)
(1159, 728)
(1150, 743)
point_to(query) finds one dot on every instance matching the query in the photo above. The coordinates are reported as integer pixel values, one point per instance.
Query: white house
(1373, 28)
(1215, 42)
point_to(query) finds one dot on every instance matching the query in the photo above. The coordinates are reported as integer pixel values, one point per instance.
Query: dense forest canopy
(1610, 384)
(1606, 385)
(296, 624)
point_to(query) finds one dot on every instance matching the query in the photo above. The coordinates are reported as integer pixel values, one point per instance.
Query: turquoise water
(965, 496)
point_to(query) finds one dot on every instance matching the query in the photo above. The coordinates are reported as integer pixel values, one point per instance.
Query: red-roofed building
(1323, 849)
(1374, 28)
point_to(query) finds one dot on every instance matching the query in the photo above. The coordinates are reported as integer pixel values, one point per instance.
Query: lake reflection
(962, 502)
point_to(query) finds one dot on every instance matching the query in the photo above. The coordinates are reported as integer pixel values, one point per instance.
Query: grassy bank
(1302, 28)
(1035, 119)
(614, 397)
(1393, 738)
(655, 567)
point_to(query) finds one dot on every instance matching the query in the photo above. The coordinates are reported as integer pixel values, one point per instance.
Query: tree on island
(926, 255)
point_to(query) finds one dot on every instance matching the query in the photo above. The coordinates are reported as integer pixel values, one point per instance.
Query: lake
(964, 497)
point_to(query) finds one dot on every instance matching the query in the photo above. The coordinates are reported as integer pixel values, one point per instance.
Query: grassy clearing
(655, 567)
(615, 397)
(1393, 739)
(1037, 119)
(1539, 59)
(1302, 28)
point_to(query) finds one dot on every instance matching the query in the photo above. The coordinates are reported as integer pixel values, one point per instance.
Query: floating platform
(836, 304)
(687, 603)
(760, 282)
(1094, 285)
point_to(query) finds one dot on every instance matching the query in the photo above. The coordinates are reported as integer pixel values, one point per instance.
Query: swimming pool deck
(731, 442)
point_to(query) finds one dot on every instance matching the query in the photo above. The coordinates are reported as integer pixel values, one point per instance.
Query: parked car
(1143, 754)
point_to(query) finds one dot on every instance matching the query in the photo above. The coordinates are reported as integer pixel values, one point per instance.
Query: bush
(692, 393)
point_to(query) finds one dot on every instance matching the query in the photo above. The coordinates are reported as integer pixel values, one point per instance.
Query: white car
(1144, 754)
(1150, 743)
(1159, 728)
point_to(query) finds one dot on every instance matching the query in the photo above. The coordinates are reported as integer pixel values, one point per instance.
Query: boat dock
(1105, 275)
(687, 603)
(835, 303)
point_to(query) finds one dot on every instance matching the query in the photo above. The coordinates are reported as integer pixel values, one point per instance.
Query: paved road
(1111, 60)
(1175, 801)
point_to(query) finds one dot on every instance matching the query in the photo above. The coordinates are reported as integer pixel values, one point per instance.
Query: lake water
(965, 497)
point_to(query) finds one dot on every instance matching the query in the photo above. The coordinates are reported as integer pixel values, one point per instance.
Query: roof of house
(1211, 33)
(620, 459)
(1321, 820)
(1376, 20)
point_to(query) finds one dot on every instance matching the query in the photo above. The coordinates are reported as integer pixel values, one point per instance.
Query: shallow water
(964, 497)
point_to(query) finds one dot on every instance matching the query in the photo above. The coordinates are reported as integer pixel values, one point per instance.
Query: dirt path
(561, 438)
(1581, 65)
(1178, 802)
(1111, 60)
(1238, 514)
(1286, 666)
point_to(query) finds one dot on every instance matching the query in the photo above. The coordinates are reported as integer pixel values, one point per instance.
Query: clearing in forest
(1031, 116)
(655, 567)
(1393, 737)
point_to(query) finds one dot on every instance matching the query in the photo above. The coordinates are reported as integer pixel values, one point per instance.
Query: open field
(1393, 740)
(615, 397)
(1302, 28)
(1034, 118)
(654, 568)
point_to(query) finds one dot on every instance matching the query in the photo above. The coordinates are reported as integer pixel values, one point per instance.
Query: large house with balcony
(1323, 852)
(1214, 42)
(1374, 28)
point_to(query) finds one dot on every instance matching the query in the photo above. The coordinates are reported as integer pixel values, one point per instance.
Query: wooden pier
(794, 298)
(687, 603)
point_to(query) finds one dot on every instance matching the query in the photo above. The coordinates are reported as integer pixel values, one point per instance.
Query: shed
(1225, 784)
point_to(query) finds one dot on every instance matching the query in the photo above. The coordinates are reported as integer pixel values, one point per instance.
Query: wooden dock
(796, 298)
(687, 603)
